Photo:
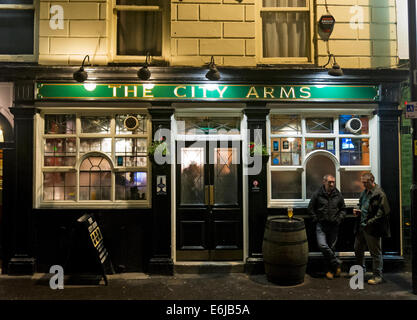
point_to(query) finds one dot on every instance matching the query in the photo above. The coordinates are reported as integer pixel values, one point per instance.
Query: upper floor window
(141, 27)
(285, 28)
(17, 29)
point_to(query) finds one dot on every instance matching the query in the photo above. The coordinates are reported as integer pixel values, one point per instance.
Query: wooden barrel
(285, 250)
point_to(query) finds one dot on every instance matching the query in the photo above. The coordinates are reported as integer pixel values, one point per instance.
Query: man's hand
(356, 212)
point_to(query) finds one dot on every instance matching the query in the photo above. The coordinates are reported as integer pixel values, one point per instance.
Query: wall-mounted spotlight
(213, 73)
(144, 73)
(81, 75)
(335, 69)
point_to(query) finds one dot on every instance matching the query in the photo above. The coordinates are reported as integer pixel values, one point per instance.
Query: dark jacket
(377, 220)
(327, 208)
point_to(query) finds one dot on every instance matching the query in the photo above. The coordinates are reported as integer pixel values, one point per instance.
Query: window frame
(373, 136)
(40, 168)
(165, 31)
(25, 57)
(260, 59)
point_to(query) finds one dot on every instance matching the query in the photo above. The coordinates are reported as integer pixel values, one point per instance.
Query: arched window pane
(95, 179)
(317, 167)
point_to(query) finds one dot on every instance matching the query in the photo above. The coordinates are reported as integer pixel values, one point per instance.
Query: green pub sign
(223, 92)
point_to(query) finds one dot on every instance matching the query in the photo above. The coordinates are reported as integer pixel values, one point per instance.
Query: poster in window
(275, 145)
(295, 159)
(330, 145)
(275, 159)
(285, 145)
(310, 145)
(286, 159)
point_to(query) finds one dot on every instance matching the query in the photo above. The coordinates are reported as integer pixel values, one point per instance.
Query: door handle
(207, 200)
(211, 195)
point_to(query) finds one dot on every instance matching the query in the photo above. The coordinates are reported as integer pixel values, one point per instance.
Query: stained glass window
(131, 152)
(95, 124)
(95, 179)
(286, 124)
(60, 152)
(131, 185)
(319, 125)
(192, 176)
(226, 176)
(60, 124)
(309, 147)
(59, 186)
(208, 125)
(131, 124)
(67, 148)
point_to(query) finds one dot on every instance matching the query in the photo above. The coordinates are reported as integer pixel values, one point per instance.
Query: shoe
(329, 275)
(375, 280)
(338, 272)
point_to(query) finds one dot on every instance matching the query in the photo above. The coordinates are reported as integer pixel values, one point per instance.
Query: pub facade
(157, 143)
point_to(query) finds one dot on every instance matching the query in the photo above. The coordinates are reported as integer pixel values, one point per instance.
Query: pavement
(203, 296)
(217, 286)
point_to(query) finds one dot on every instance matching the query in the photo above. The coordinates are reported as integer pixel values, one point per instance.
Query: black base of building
(21, 265)
(163, 266)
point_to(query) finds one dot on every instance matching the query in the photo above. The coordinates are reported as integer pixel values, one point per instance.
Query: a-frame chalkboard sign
(87, 237)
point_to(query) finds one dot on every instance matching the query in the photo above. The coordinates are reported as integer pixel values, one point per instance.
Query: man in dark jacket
(371, 225)
(327, 207)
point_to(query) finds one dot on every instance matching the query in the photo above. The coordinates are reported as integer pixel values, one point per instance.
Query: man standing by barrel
(327, 207)
(371, 225)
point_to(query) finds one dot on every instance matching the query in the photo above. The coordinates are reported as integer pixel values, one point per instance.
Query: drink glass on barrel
(290, 213)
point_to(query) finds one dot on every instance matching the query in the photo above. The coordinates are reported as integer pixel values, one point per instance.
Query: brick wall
(222, 28)
(371, 44)
(85, 32)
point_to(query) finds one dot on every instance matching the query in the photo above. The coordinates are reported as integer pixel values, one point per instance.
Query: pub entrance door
(209, 201)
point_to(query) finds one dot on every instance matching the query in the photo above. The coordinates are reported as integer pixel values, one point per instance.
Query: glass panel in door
(226, 176)
(192, 176)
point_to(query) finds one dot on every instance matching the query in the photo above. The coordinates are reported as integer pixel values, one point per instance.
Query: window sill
(93, 205)
(279, 204)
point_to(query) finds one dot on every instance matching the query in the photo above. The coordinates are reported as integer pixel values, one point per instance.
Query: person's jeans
(326, 240)
(363, 240)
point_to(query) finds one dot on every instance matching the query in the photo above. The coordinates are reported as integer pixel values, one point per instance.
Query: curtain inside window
(285, 34)
(139, 32)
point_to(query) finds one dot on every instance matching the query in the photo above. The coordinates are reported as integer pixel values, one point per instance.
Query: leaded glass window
(208, 125)
(94, 157)
(95, 124)
(95, 179)
(60, 123)
(305, 148)
(131, 185)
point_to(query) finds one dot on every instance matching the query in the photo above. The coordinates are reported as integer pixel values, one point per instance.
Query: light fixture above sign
(80, 75)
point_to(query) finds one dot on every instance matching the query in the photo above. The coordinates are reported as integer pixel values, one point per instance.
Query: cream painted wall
(222, 28)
